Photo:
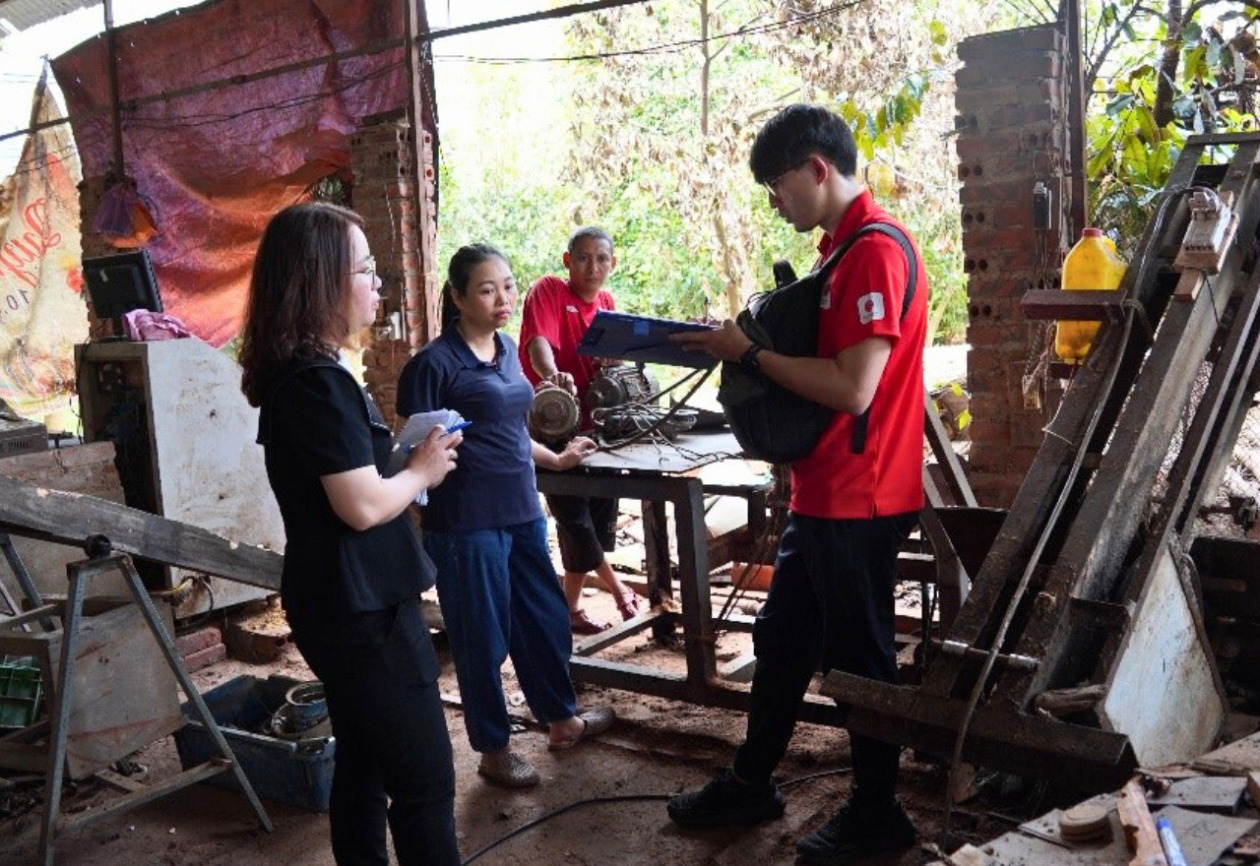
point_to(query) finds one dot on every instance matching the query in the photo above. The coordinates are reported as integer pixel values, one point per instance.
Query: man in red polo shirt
(556, 314)
(852, 505)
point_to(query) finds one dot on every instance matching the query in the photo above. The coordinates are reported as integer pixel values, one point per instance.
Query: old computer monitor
(121, 283)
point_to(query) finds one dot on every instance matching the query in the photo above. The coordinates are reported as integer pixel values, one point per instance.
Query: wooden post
(111, 50)
(1139, 828)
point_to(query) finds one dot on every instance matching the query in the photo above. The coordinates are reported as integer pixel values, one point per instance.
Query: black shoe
(855, 833)
(726, 802)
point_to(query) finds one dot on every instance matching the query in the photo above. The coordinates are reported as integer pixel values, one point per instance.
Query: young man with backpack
(855, 497)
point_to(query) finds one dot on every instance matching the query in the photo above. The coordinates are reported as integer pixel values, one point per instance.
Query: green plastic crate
(21, 689)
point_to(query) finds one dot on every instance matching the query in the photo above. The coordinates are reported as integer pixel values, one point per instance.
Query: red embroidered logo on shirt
(870, 308)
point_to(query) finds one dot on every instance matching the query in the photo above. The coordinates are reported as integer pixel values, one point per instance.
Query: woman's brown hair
(297, 294)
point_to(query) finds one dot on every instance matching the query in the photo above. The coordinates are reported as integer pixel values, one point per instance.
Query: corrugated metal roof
(24, 14)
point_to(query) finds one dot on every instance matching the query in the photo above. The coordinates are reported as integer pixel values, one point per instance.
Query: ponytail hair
(459, 273)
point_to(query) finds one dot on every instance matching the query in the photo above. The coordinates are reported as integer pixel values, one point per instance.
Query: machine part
(1042, 206)
(1212, 226)
(1085, 822)
(621, 422)
(554, 418)
(958, 649)
(617, 386)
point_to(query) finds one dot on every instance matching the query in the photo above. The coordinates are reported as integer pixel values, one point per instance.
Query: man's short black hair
(797, 133)
(592, 232)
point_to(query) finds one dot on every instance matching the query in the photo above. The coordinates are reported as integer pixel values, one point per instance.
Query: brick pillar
(91, 191)
(381, 193)
(1012, 134)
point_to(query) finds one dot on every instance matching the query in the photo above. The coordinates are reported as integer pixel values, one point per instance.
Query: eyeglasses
(369, 267)
(772, 184)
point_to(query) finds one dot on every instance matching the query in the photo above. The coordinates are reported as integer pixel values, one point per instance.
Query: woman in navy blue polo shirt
(485, 528)
(353, 566)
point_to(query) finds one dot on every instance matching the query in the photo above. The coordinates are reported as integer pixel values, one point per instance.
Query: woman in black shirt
(353, 565)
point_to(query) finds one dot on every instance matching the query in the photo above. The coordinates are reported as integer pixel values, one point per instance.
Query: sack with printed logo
(770, 422)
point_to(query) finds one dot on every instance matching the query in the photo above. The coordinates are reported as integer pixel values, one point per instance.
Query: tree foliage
(661, 138)
(1203, 78)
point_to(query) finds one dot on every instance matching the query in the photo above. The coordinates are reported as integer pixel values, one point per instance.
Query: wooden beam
(70, 518)
(1139, 827)
(1057, 305)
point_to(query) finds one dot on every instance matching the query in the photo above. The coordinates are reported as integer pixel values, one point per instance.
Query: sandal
(594, 722)
(580, 623)
(629, 605)
(508, 769)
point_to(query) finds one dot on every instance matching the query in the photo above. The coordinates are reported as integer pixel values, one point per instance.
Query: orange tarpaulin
(218, 163)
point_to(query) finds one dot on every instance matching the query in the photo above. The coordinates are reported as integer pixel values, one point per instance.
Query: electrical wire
(617, 798)
(664, 47)
(660, 422)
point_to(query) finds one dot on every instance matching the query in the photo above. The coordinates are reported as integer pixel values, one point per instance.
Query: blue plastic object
(297, 773)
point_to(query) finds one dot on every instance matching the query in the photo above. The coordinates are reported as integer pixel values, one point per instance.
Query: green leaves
(1130, 155)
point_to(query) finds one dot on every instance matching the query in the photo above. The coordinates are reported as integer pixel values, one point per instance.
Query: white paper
(412, 434)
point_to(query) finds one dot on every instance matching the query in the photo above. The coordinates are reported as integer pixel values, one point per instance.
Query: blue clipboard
(627, 337)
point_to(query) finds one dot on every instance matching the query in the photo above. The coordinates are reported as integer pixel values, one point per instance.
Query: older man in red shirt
(556, 314)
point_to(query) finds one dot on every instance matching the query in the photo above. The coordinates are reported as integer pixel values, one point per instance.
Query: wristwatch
(748, 360)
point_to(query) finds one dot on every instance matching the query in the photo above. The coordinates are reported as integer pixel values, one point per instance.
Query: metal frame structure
(54, 754)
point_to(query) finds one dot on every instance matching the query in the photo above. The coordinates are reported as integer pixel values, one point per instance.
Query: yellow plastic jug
(1092, 265)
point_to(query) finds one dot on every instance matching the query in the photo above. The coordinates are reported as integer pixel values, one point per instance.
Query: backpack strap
(860, 424)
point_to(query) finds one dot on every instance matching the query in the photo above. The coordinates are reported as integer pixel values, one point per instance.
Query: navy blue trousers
(831, 604)
(500, 597)
(393, 760)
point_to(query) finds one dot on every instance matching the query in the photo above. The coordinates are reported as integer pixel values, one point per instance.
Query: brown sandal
(580, 623)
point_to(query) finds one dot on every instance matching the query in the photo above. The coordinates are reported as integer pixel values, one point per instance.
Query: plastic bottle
(1092, 265)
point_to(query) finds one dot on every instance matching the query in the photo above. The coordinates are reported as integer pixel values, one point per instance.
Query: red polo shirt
(554, 312)
(864, 300)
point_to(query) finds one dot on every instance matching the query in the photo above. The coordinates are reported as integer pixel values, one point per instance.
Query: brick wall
(91, 191)
(403, 243)
(1012, 133)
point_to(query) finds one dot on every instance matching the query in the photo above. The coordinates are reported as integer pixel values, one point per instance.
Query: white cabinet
(184, 435)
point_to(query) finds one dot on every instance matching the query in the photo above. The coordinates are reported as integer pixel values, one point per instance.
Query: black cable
(529, 825)
(618, 798)
(664, 418)
(661, 48)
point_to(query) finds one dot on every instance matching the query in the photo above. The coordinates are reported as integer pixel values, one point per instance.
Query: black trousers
(393, 758)
(831, 603)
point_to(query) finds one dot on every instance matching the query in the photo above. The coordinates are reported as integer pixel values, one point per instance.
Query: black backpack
(770, 422)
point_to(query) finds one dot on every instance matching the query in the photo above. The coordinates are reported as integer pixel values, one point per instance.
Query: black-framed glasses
(772, 184)
(368, 268)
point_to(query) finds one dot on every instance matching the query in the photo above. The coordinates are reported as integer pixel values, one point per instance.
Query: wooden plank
(1057, 304)
(998, 738)
(1139, 827)
(1236, 758)
(70, 518)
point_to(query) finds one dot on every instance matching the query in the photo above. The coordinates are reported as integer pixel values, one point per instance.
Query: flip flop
(594, 722)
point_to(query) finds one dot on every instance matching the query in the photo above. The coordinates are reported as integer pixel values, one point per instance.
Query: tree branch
(1091, 71)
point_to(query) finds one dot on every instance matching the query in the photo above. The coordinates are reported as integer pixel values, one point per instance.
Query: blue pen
(1172, 850)
(455, 428)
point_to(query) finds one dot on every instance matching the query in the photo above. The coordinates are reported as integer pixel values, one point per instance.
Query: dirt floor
(657, 748)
